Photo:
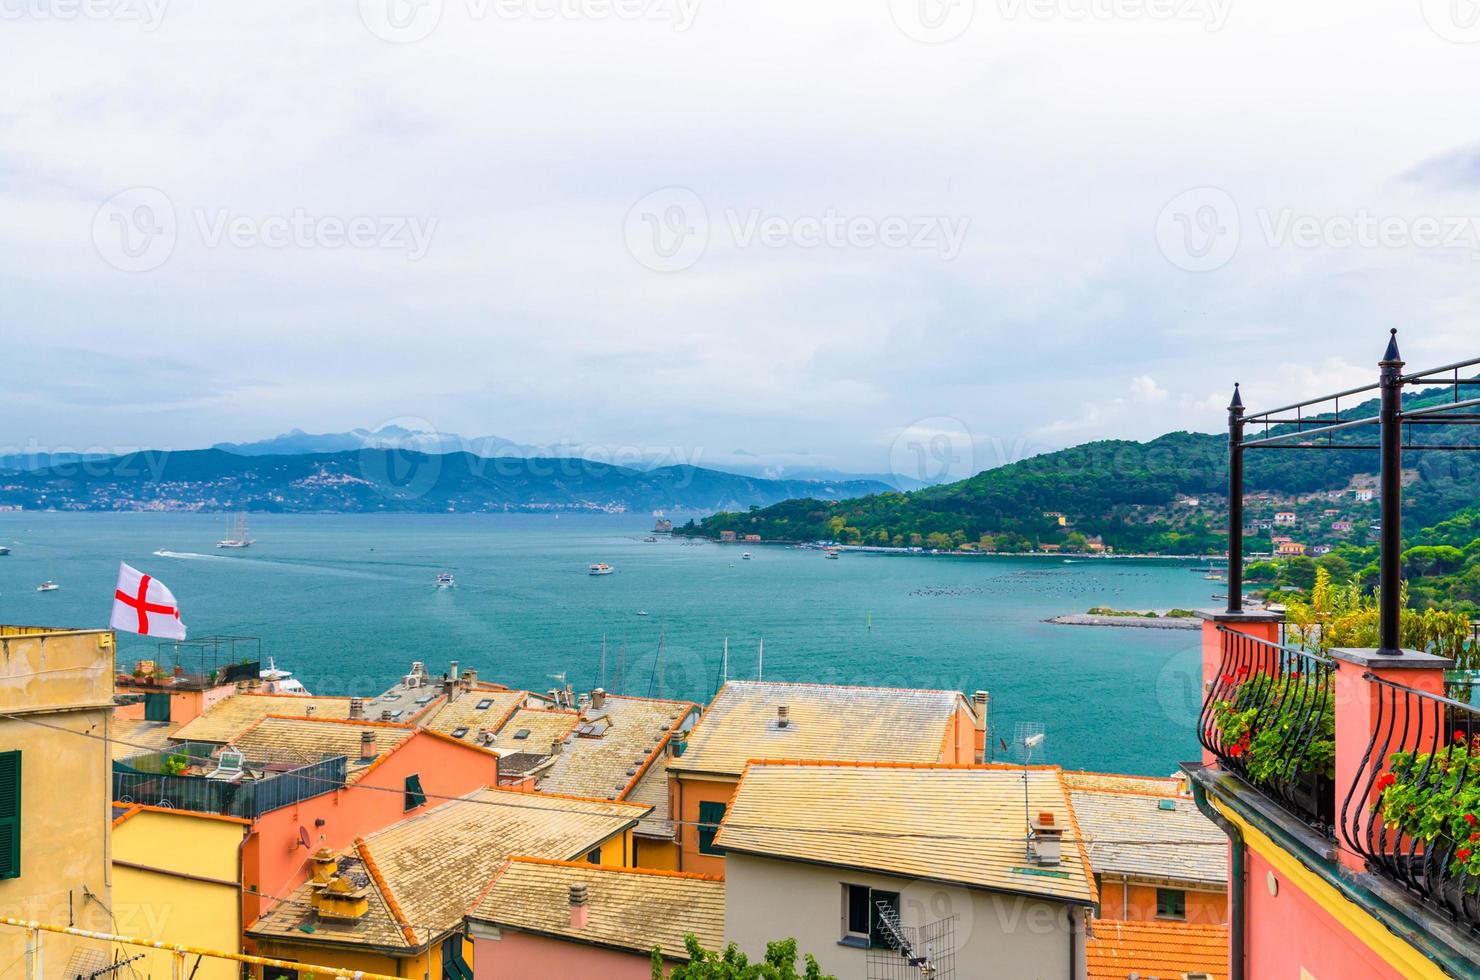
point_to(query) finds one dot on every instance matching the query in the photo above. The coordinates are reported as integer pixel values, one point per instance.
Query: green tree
(1076, 542)
(780, 963)
(938, 541)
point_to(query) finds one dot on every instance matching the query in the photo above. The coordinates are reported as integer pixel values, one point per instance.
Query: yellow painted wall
(661, 855)
(163, 905)
(618, 851)
(56, 690)
(353, 959)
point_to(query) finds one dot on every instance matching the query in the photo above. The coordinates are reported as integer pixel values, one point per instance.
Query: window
(415, 797)
(279, 972)
(454, 967)
(10, 814)
(459, 732)
(156, 706)
(594, 857)
(710, 814)
(485, 704)
(862, 919)
(1171, 903)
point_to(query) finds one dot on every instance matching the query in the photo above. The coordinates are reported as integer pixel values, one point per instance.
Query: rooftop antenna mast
(1028, 736)
(602, 681)
(760, 661)
(724, 663)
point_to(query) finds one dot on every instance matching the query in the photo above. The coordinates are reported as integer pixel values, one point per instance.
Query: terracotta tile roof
(608, 765)
(464, 712)
(309, 740)
(652, 789)
(545, 726)
(134, 736)
(957, 824)
(1119, 950)
(428, 870)
(1130, 833)
(229, 718)
(1119, 782)
(628, 908)
(864, 724)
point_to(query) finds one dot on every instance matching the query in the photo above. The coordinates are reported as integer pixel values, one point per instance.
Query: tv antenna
(1027, 736)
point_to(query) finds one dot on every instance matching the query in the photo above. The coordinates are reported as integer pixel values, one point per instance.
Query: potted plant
(1435, 798)
(1281, 729)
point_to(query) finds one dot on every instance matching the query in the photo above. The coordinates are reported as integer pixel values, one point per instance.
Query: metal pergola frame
(1395, 435)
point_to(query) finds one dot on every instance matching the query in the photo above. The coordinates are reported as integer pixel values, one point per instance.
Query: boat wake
(189, 556)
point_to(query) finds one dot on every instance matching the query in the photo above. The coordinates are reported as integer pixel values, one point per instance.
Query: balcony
(209, 779)
(198, 664)
(1269, 718)
(1413, 811)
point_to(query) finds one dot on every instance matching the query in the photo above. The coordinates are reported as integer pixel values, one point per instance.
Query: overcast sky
(708, 227)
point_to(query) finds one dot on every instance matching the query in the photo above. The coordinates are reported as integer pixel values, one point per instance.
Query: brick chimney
(356, 709)
(783, 716)
(1045, 840)
(598, 698)
(580, 911)
(367, 745)
(469, 679)
(979, 703)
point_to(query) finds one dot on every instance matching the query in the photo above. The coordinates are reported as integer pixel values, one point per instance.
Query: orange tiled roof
(1169, 950)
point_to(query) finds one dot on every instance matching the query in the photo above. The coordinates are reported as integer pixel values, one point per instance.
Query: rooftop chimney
(1045, 840)
(783, 716)
(598, 698)
(356, 708)
(309, 711)
(979, 702)
(325, 865)
(452, 670)
(579, 910)
(387, 715)
(340, 900)
(469, 679)
(367, 744)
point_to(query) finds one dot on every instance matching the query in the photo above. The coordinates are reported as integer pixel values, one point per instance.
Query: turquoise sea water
(347, 602)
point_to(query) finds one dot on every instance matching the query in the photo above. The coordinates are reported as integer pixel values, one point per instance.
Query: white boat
(642, 612)
(830, 554)
(276, 681)
(649, 539)
(745, 556)
(444, 580)
(4, 550)
(236, 533)
(47, 586)
(601, 568)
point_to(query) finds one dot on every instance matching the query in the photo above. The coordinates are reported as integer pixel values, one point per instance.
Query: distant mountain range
(297, 442)
(391, 479)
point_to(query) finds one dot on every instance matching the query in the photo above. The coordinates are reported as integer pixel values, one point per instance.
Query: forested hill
(1167, 495)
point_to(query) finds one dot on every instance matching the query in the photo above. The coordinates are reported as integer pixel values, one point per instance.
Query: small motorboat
(601, 568)
(650, 539)
(47, 586)
(4, 551)
(830, 554)
(642, 612)
(444, 580)
(745, 556)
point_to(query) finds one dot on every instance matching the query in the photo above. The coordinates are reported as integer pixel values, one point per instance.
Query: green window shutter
(414, 795)
(156, 707)
(10, 814)
(710, 815)
(454, 967)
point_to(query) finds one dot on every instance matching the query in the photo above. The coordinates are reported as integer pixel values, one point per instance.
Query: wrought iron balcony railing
(1269, 717)
(1414, 810)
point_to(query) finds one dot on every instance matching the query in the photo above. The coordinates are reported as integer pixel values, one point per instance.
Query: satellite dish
(304, 839)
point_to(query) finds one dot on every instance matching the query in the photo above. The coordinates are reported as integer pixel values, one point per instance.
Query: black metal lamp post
(1236, 503)
(1390, 609)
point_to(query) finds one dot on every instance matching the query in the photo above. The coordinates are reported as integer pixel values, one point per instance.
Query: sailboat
(236, 533)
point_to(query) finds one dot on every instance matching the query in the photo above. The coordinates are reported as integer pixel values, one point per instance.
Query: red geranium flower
(1385, 780)
(1463, 853)
(1475, 836)
(1226, 678)
(1471, 819)
(1459, 737)
(1236, 749)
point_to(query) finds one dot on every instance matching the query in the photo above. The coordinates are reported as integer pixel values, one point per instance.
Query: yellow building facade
(175, 880)
(56, 703)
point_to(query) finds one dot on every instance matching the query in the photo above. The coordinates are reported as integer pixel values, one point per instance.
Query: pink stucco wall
(1290, 931)
(519, 955)
(273, 862)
